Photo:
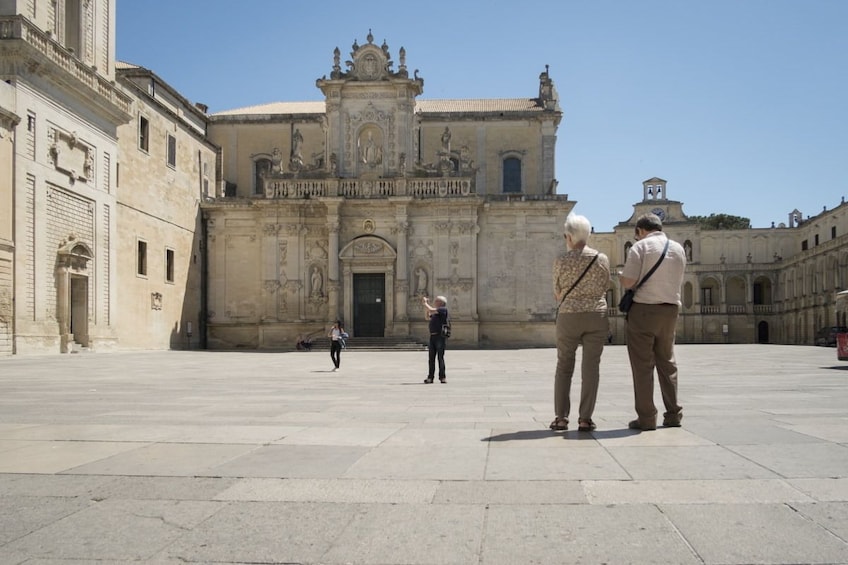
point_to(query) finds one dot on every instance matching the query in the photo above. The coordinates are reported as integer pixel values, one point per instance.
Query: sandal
(585, 426)
(559, 424)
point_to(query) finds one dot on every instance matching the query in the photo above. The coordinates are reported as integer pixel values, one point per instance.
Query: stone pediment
(368, 247)
(368, 63)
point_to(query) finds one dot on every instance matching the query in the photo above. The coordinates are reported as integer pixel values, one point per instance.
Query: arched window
(261, 167)
(511, 174)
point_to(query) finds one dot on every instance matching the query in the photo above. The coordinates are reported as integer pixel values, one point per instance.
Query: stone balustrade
(19, 28)
(443, 187)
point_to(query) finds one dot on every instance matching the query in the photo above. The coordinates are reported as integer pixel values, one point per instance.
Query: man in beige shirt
(652, 320)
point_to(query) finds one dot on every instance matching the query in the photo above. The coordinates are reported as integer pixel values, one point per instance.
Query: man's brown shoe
(635, 425)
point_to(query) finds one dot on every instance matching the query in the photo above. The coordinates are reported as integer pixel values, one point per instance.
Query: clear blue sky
(741, 105)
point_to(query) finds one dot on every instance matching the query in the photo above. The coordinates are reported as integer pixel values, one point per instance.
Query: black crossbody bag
(627, 298)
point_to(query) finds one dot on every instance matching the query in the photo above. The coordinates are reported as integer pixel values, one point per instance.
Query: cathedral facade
(356, 207)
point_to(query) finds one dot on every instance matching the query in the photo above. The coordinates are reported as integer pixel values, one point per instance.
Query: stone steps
(394, 343)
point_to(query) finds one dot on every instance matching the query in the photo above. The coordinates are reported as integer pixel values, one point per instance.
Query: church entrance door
(369, 304)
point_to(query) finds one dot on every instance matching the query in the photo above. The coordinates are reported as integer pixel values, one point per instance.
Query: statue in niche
(687, 247)
(446, 139)
(421, 281)
(370, 152)
(317, 282)
(297, 143)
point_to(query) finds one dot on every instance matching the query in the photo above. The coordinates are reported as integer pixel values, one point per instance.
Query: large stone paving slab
(116, 529)
(565, 534)
(755, 533)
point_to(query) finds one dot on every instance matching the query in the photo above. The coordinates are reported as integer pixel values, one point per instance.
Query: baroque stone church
(358, 206)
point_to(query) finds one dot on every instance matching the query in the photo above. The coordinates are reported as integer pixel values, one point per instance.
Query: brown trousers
(589, 329)
(650, 343)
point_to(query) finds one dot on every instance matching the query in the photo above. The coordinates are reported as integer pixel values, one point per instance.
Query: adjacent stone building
(168, 166)
(58, 57)
(760, 285)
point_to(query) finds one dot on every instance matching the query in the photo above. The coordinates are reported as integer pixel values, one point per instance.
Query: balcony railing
(763, 308)
(19, 28)
(709, 309)
(369, 188)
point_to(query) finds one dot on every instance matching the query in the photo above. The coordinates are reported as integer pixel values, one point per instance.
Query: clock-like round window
(659, 212)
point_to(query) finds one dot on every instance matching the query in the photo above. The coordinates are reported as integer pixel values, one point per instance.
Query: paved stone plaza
(247, 457)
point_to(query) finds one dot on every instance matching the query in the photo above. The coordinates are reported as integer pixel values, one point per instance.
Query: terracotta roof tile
(426, 106)
(277, 108)
(479, 105)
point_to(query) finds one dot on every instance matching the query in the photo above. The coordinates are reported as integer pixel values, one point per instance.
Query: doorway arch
(369, 256)
(73, 267)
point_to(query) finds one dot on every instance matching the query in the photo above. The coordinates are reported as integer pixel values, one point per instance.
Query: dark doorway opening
(369, 304)
(762, 332)
(79, 309)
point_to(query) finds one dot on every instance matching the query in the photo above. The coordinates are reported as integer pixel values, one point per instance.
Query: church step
(394, 343)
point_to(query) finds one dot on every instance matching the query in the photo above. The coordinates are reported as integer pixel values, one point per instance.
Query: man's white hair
(442, 299)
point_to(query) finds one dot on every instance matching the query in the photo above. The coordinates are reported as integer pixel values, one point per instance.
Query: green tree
(722, 222)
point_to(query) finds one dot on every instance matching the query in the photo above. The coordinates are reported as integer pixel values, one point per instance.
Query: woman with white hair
(581, 279)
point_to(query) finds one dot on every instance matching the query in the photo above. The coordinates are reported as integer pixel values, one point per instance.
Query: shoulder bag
(627, 298)
(446, 327)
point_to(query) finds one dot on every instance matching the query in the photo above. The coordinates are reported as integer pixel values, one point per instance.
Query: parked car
(826, 337)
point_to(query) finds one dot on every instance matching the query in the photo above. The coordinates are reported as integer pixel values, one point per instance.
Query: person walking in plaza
(336, 336)
(581, 278)
(438, 315)
(652, 320)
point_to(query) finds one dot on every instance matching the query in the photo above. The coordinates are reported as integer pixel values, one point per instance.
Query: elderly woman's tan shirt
(590, 293)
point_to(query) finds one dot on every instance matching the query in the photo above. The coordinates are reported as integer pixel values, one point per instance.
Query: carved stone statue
(317, 282)
(421, 283)
(370, 152)
(297, 145)
(276, 160)
(446, 139)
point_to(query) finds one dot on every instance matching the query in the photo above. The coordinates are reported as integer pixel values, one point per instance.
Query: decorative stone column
(333, 281)
(401, 286)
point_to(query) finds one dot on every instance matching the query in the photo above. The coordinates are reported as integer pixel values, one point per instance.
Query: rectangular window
(816, 240)
(172, 151)
(707, 299)
(142, 258)
(30, 138)
(511, 175)
(169, 265)
(804, 245)
(833, 232)
(143, 134)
